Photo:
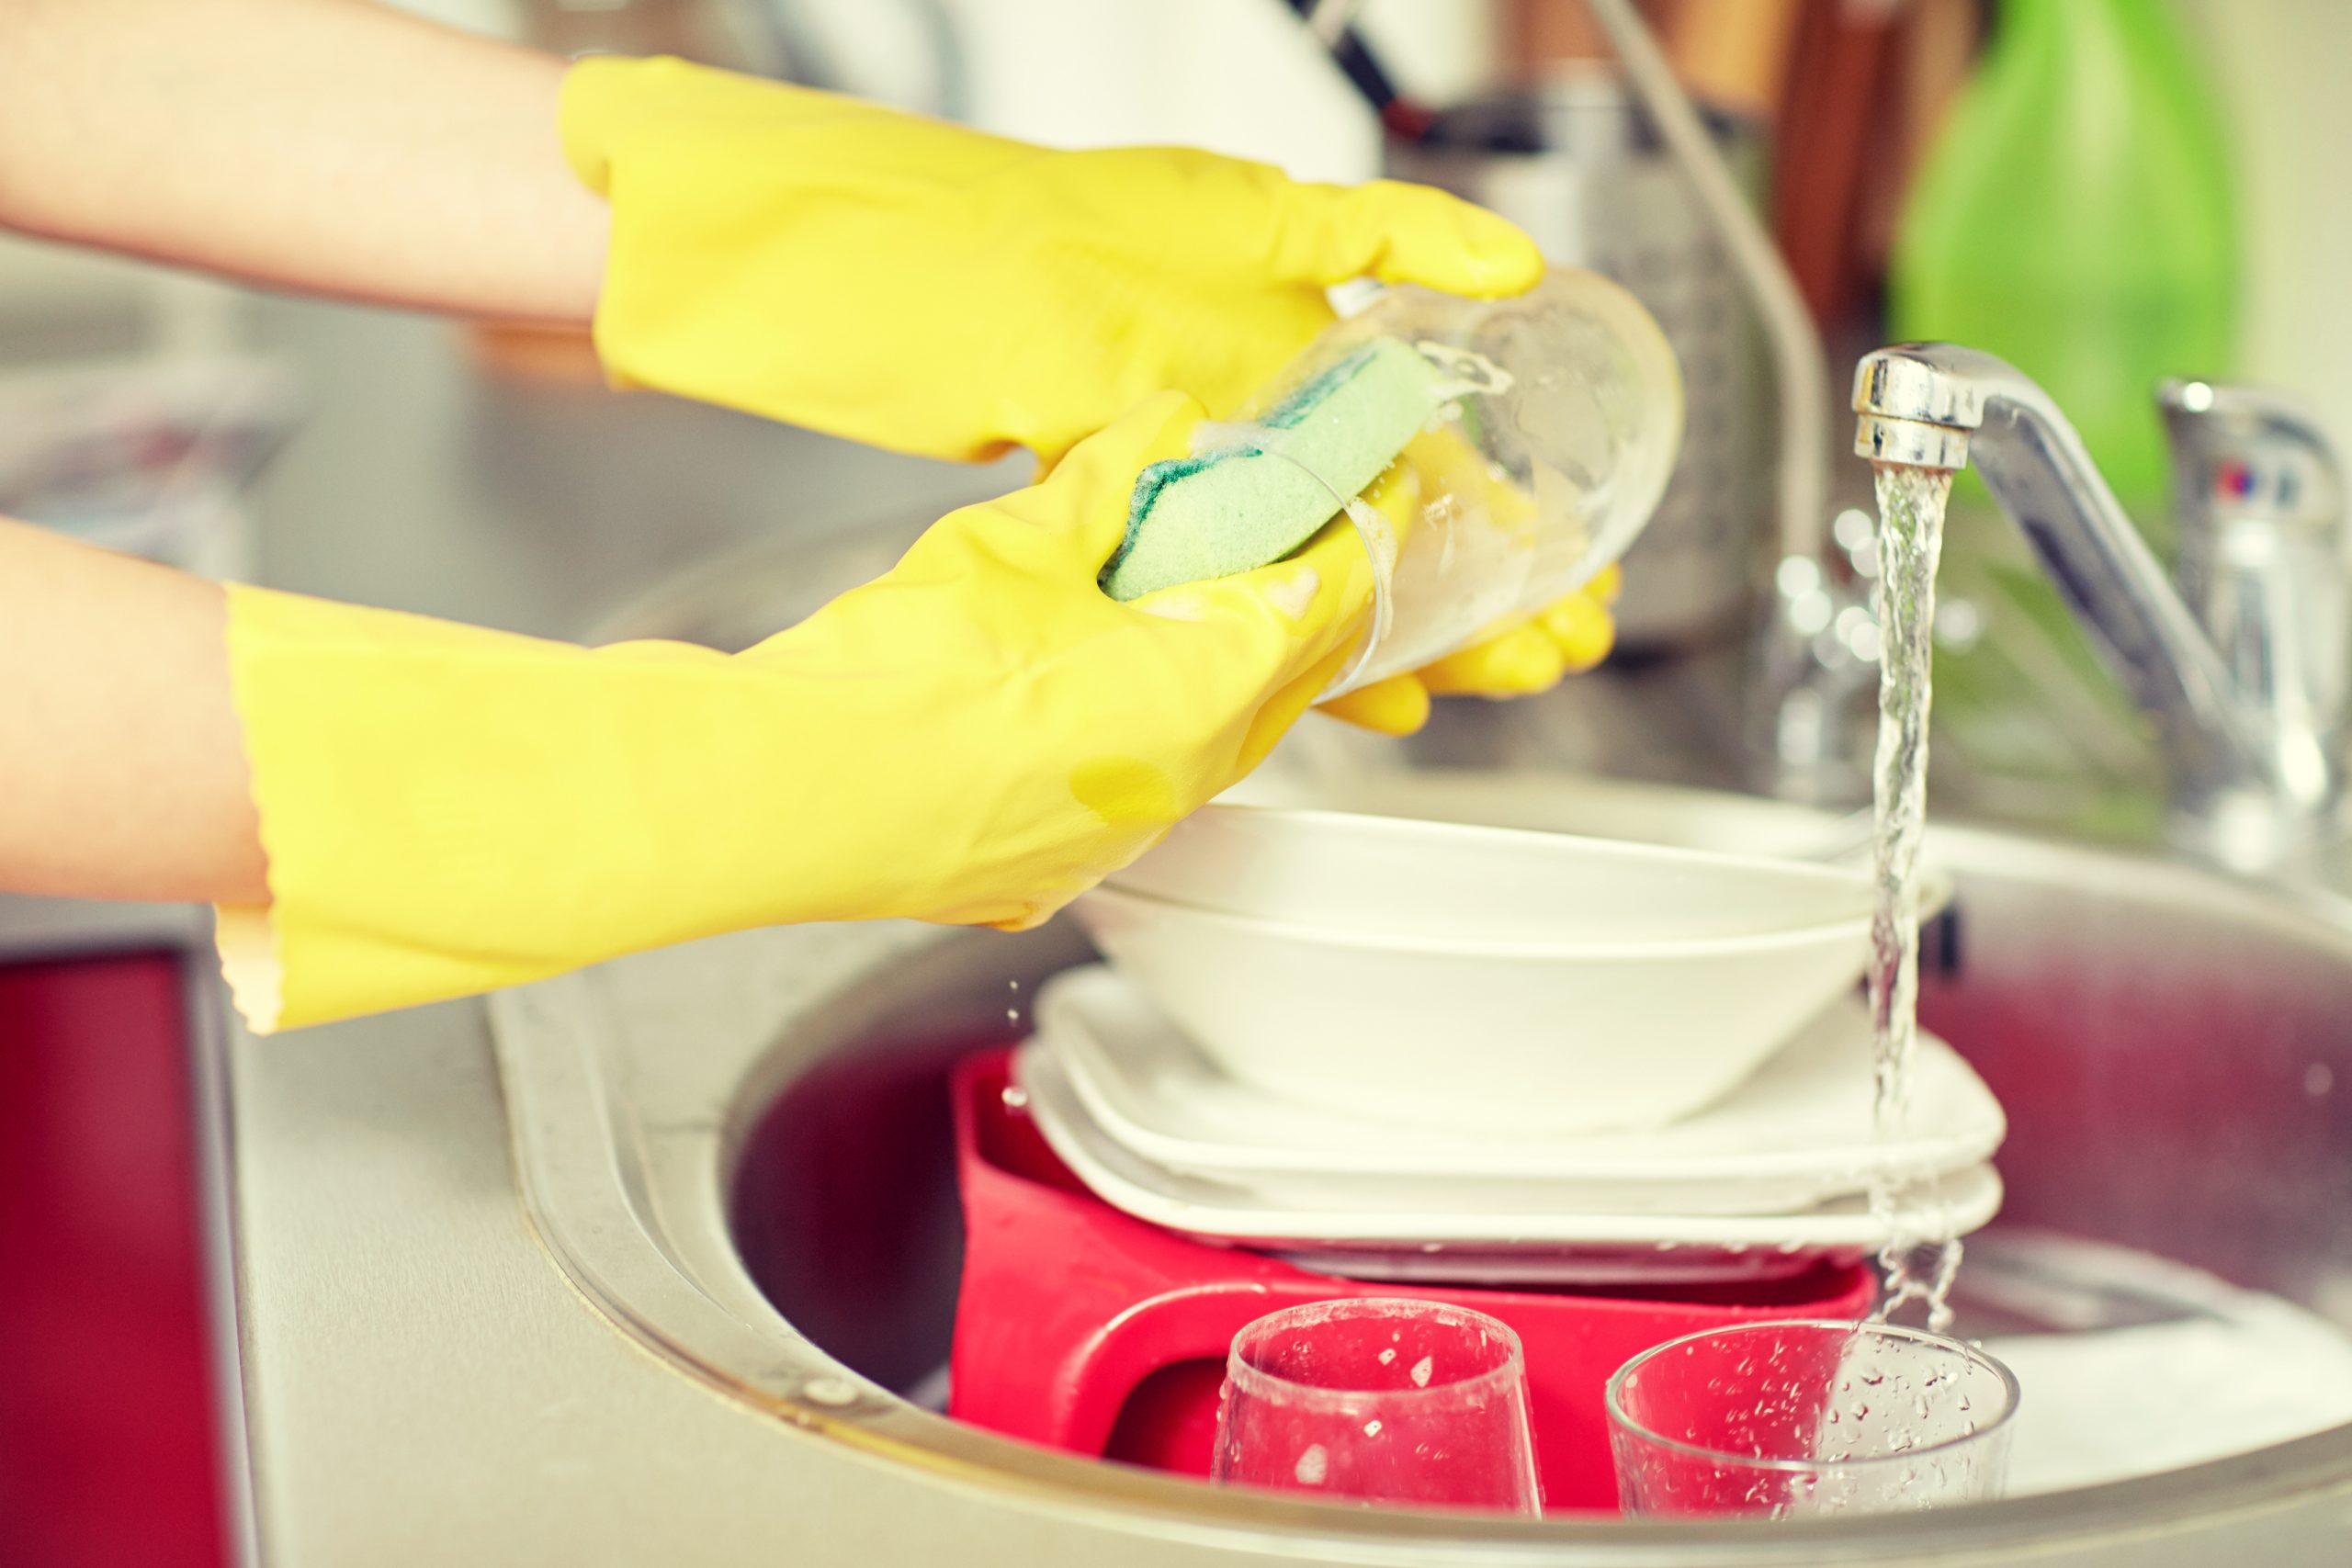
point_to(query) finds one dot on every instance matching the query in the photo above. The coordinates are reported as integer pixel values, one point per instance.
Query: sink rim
(713, 1325)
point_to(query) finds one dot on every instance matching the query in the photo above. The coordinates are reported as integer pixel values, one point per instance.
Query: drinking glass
(1381, 1400)
(1552, 451)
(1808, 1417)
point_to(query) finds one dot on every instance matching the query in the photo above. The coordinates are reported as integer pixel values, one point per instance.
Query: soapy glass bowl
(1805, 1419)
(1567, 428)
(1380, 1400)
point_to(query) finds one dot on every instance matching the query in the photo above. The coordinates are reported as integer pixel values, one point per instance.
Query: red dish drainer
(1084, 1328)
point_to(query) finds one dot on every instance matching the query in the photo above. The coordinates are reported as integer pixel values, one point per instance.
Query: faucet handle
(2259, 499)
(2242, 455)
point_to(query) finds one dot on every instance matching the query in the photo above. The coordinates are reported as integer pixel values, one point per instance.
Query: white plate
(1797, 1133)
(1293, 1213)
(1643, 1263)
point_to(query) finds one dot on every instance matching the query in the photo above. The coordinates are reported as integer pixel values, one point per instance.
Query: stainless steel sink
(738, 1151)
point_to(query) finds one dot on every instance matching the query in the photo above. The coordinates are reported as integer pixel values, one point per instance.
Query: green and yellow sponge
(1242, 506)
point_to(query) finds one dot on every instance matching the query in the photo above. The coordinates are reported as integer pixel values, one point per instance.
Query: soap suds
(1293, 595)
(1174, 606)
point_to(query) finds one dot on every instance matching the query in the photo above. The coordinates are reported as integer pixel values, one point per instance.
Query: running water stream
(1910, 538)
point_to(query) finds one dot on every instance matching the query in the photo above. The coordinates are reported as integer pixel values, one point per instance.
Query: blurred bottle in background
(2076, 218)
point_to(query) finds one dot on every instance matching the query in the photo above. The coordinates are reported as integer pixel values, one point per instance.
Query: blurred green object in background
(2076, 218)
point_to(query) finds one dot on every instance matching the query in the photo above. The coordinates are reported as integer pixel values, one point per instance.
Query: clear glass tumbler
(1380, 1400)
(1804, 1418)
(1556, 421)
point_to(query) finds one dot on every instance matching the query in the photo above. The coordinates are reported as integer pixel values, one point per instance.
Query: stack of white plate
(1448, 1049)
(1767, 1181)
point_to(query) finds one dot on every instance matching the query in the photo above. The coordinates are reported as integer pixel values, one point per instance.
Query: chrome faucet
(2247, 679)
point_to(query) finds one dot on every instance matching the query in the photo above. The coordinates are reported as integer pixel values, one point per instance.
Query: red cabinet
(109, 1439)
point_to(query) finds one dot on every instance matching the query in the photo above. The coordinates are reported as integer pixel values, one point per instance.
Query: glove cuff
(610, 102)
(448, 809)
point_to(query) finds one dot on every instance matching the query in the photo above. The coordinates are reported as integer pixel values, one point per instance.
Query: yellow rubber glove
(919, 286)
(976, 738)
(1567, 638)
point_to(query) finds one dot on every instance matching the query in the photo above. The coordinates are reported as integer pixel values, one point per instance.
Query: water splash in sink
(1911, 504)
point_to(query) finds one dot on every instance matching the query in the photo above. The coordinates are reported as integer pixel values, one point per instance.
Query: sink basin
(738, 1150)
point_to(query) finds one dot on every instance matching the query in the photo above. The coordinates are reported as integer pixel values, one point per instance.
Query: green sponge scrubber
(1242, 506)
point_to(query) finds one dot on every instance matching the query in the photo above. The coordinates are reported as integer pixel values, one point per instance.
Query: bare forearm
(332, 146)
(122, 767)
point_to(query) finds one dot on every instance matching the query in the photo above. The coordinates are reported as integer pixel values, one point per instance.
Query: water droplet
(1422, 1370)
(1387, 1356)
(1372, 1429)
(832, 1392)
(1015, 1097)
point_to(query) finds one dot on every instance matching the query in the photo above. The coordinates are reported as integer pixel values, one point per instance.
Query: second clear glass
(1805, 1419)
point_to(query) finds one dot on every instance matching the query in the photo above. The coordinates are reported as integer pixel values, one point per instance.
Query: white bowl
(1555, 801)
(1534, 1036)
(1396, 878)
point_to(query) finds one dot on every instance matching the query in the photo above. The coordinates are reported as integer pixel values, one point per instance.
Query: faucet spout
(1937, 405)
